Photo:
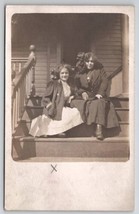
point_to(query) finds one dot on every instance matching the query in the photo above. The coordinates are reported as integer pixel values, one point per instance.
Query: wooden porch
(32, 73)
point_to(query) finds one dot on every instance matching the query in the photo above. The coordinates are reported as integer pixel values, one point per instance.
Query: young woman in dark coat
(57, 116)
(92, 83)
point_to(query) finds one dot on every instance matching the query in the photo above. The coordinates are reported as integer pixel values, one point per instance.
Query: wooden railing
(17, 65)
(23, 86)
(115, 72)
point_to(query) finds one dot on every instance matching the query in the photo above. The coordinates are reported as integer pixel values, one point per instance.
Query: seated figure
(91, 97)
(57, 116)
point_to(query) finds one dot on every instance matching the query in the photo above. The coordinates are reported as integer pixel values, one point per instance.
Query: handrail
(115, 72)
(30, 64)
(22, 74)
(22, 87)
(15, 59)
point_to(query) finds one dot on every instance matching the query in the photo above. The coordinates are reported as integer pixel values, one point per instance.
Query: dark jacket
(95, 110)
(53, 100)
(95, 82)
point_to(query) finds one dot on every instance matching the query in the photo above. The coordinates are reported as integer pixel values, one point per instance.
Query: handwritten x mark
(54, 168)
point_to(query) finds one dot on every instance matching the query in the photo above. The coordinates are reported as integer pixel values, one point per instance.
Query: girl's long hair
(97, 64)
(82, 57)
(61, 66)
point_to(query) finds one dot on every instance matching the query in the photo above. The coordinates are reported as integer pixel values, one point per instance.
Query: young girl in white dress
(57, 116)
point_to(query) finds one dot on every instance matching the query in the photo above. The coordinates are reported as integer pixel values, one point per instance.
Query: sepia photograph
(70, 88)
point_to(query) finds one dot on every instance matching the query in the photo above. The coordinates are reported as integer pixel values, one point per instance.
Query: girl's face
(89, 63)
(64, 74)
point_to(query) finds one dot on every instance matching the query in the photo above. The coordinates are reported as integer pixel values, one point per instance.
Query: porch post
(125, 55)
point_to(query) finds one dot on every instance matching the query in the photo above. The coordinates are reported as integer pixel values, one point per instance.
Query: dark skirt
(97, 111)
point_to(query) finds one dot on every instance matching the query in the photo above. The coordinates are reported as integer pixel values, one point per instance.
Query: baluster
(13, 71)
(13, 66)
(20, 101)
(19, 68)
(16, 107)
(23, 95)
(16, 111)
(18, 104)
(25, 90)
(13, 115)
(26, 84)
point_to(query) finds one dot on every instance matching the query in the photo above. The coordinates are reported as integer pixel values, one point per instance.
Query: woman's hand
(70, 99)
(49, 105)
(51, 110)
(85, 96)
(98, 96)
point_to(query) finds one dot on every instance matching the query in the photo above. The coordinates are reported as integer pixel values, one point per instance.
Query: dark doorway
(75, 36)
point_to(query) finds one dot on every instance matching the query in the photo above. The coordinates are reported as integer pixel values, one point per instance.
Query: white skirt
(42, 125)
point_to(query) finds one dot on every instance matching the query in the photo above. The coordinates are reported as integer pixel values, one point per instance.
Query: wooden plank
(42, 64)
(113, 57)
(42, 58)
(109, 48)
(40, 81)
(110, 64)
(108, 58)
(20, 54)
(92, 148)
(109, 42)
(41, 75)
(108, 51)
(42, 85)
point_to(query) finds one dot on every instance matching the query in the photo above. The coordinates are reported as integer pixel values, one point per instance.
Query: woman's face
(64, 74)
(89, 63)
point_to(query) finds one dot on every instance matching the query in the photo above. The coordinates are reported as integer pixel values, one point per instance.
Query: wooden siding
(108, 45)
(116, 85)
(48, 57)
(106, 42)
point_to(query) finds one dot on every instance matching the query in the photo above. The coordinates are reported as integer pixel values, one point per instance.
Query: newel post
(32, 57)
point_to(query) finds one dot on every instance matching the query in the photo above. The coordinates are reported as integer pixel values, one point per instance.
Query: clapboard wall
(105, 38)
(107, 42)
(48, 56)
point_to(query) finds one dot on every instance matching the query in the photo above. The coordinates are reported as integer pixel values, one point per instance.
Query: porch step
(119, 102)
(113, 149)
(82, 130)
(34, 108)
(35, 111)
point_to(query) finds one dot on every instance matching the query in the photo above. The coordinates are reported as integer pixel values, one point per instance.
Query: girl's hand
(98, 96)
(85, 96)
